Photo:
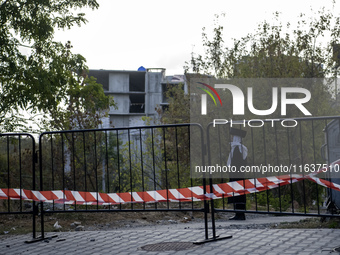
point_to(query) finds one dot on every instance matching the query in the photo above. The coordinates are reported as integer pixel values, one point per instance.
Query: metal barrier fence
(133, 159)
(134, 168)
(311, 145)
(147, 168)
(17, 169)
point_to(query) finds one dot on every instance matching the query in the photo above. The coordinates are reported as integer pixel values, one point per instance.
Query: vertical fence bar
(52, 167)
(118, 165)
(41, 188)
(277, 162)
(191, 182)
(107, 165)
(34, 206)
(63, 166)
(20, 173)
(303, 172)
(177, 160)
(74, 168)
(8, 176)
(96, 167)
(315, 163)
(85, 164)
(212, 209)
(141, 162)
(220, 157)
(166, 170)
(290, 162)
(212, 200)
(153, 162)
(205, 149)
(265, 161)
(329, 175)
(230, 149)
(130, 168)
(253, 156)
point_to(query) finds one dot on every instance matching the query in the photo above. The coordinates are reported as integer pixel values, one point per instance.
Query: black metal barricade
(294, 151)
(119, 161)
(128, 166)
(17, 170)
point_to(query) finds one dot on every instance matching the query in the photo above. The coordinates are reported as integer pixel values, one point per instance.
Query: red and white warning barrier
(196, 193)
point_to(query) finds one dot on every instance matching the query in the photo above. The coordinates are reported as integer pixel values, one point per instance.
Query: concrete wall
(154, 101)
(154, 91)
(119, 82)
(136, 121)
(119, 85)
(154, 82)
(106, 123)
(122, 102)
(126, 121)
(119, 121)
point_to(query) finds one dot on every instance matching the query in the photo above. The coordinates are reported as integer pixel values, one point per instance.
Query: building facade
(136, 93)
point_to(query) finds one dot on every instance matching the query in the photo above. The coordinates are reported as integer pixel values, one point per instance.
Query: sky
(124, 35)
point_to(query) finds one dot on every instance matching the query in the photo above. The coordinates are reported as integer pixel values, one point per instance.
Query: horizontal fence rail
(305, 150)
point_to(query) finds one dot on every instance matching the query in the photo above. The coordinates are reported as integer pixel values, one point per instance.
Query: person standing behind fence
(237, 157)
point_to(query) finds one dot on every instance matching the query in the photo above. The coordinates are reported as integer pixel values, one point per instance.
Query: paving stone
(129, 241)
(311, 251)
(289, 252)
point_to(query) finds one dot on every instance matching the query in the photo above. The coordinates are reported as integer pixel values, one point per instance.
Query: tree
(83, 108)
(304, 51)
(270, 52)
(38, 74)
(178, 107)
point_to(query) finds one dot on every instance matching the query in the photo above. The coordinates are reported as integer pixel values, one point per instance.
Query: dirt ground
(21, 224)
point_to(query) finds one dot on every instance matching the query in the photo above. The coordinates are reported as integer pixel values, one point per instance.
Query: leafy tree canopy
(37, 74)
(307, 49)
(274, 50)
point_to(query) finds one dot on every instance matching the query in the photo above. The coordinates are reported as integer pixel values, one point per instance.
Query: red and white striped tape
(196, 193)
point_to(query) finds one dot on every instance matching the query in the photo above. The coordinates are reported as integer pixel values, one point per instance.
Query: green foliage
(273, 50)
(16, 168)
(84, 107)
(276, 50)
(276, 202)
(178, 108)
(86, 161)
(333, 224)
(38, 74)
(157, 159)
(170, 152)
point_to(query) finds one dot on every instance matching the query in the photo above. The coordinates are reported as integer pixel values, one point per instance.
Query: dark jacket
(237, 161)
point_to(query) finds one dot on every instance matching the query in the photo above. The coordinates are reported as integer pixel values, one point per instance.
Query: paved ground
(130, 240)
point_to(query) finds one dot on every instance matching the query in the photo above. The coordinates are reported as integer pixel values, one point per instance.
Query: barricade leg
(214, 237)
(42, 236)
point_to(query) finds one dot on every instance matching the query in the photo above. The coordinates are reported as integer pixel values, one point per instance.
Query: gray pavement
(130, 240)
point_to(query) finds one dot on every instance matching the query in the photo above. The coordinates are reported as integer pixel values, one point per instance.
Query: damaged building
(136, 93)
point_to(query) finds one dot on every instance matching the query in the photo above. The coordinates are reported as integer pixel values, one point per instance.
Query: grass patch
(311, 223)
